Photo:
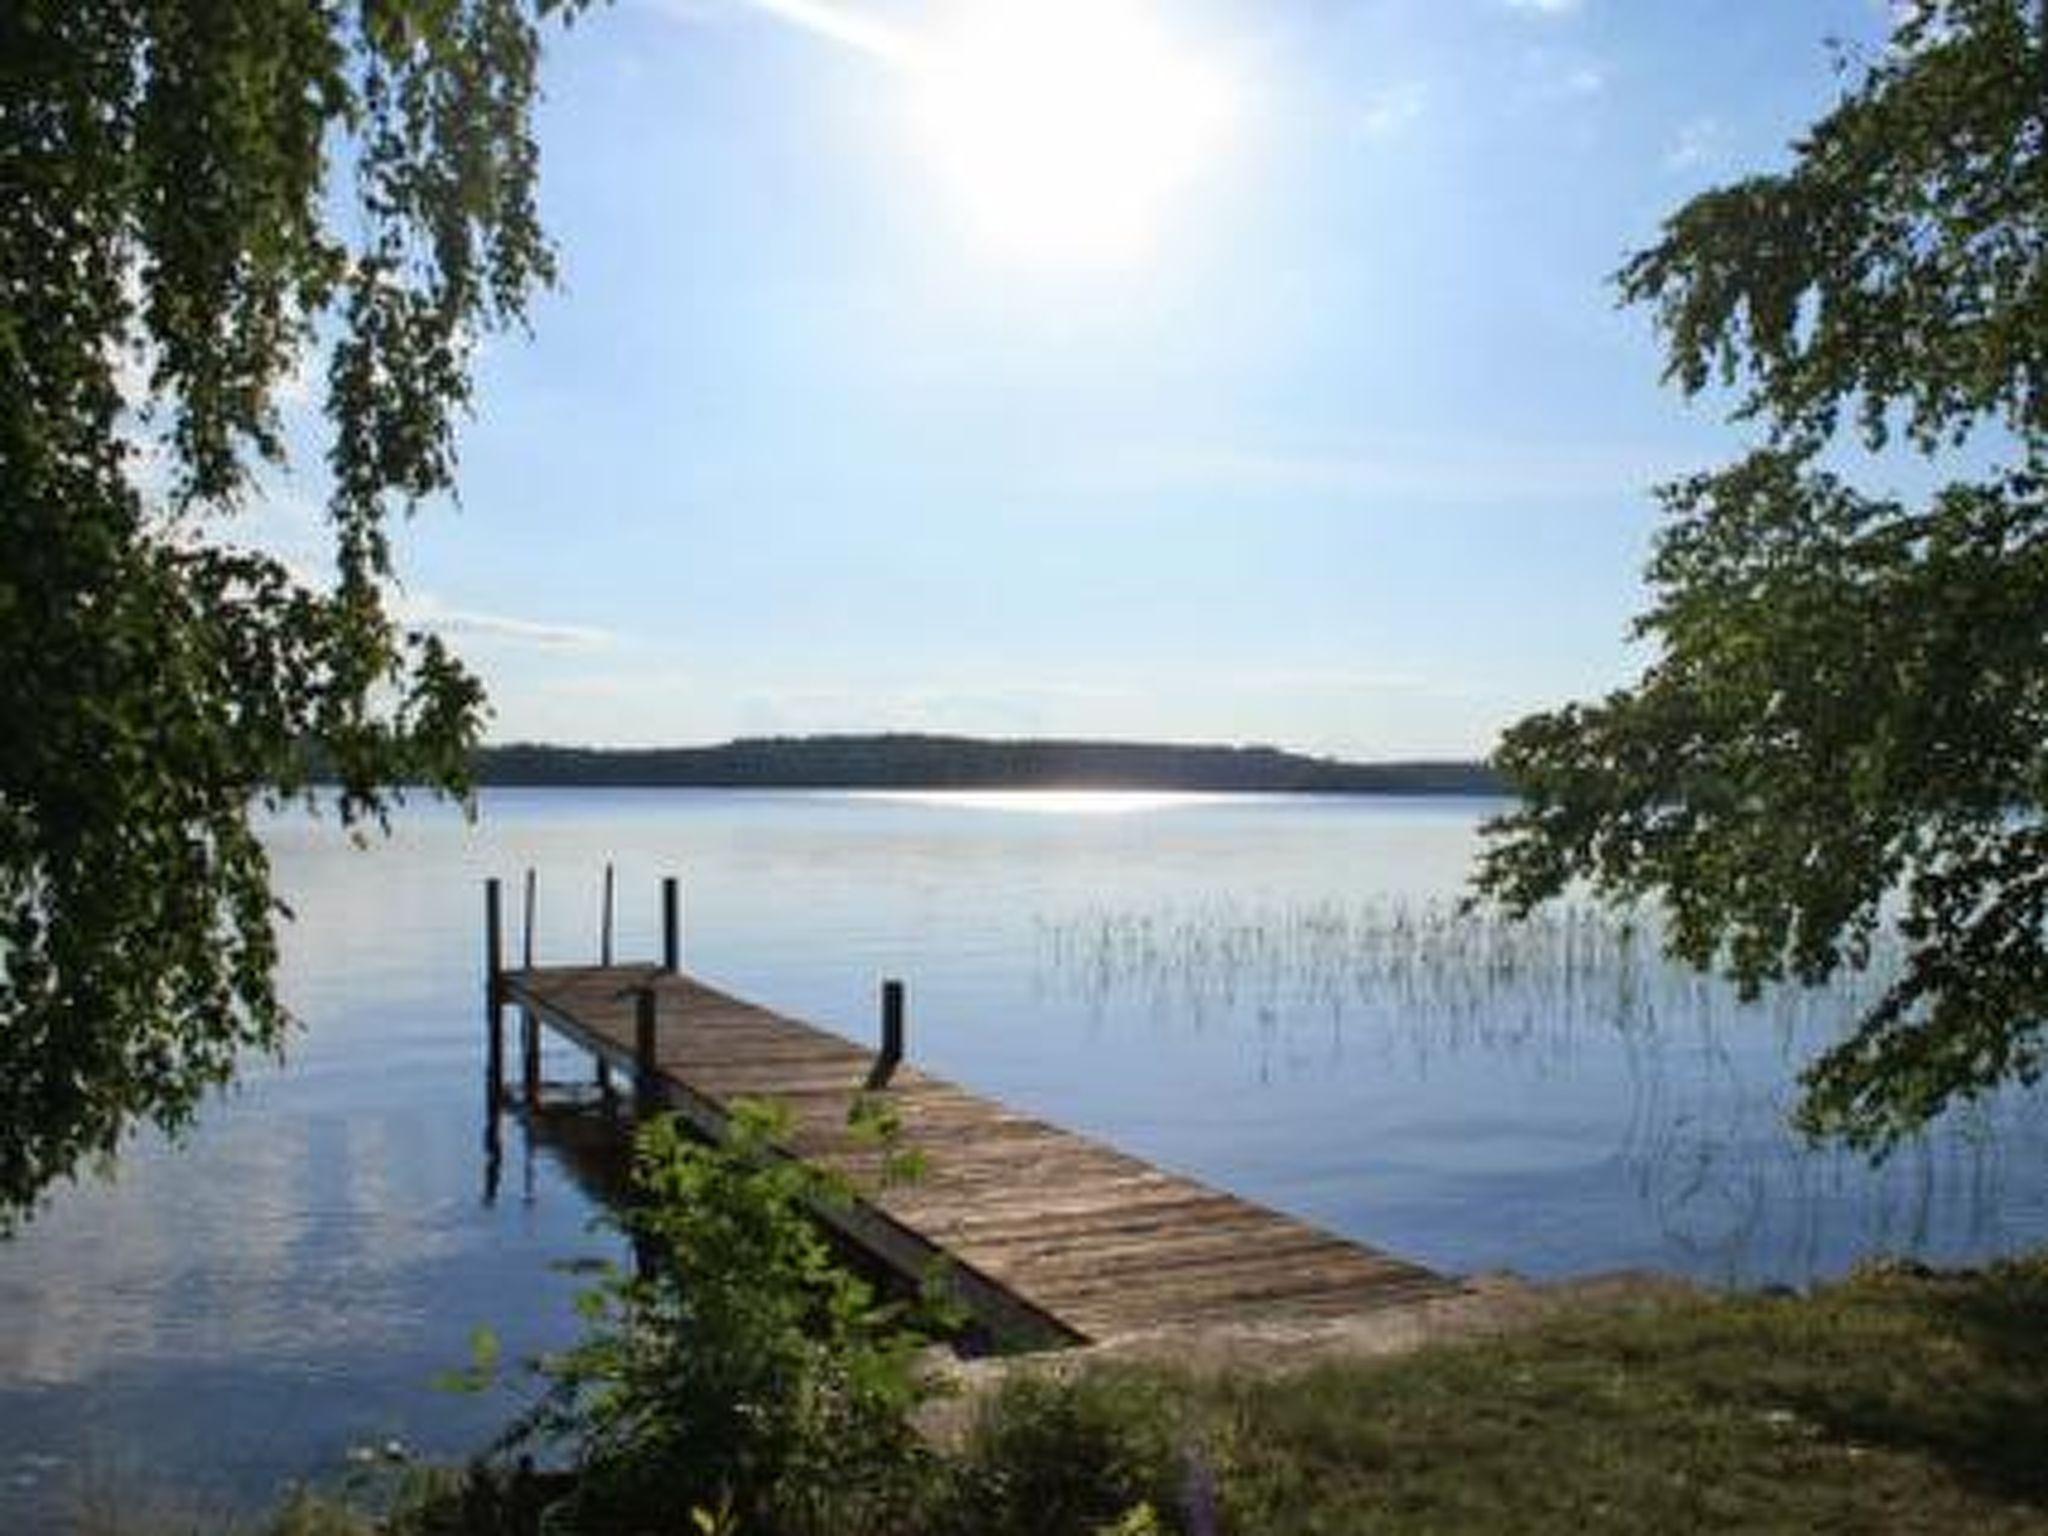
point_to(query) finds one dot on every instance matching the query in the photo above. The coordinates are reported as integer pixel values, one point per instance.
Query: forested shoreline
(909, 761)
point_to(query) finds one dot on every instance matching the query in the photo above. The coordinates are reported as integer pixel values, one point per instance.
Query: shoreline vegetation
(1897, 1399)
(916, 761)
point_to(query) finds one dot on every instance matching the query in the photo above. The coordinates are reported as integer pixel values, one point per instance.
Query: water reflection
(1558, 1008)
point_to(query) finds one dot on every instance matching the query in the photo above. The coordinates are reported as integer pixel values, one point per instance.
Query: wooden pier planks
(1050, 1233)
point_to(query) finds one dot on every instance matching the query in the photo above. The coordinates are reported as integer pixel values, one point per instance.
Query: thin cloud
(1545, 7)
(1334, 682)
(1582, 80)
(1388, 112)
(837, 23)
(522, 631)
(1702, 141)
(1561, 74)
(425, 611)
(1410, 474)
(841, 25)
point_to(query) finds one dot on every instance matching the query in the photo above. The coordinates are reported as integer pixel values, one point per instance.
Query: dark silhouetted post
(671, 925)
(605, 949)
(892, 1037)
(604, 954)
(529, 1043)
(494, 1002)
(646, 1092)
(529, 1026)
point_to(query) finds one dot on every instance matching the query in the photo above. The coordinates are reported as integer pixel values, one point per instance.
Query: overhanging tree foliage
(191, 197)
(1846, 723)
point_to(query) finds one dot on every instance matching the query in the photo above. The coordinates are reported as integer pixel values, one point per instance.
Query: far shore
(923, 762)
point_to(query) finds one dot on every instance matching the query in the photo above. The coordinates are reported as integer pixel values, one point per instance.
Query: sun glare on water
(1067, 128)
(1048, 802)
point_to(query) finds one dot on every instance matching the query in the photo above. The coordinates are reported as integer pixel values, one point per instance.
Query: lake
(1273, 994)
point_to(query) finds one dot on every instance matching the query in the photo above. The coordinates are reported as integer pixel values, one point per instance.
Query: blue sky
(1291, 405)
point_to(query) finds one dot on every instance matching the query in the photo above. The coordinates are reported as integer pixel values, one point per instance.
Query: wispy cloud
(1545, 7)
(1387, 112)
(1328, 682)
(1561, 74)
(964, 705)
(841, 24)
(425, 611)
(1579, 80)
(1435, 474)
(1702, 141)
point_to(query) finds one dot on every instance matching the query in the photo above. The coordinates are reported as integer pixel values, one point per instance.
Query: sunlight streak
(1050, 802)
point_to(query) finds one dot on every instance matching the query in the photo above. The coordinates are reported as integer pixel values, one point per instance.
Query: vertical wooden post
(604, 957)
(671, 925)
(646, 1088)
(494, 1001)
(529, 1026)
(892, 1037)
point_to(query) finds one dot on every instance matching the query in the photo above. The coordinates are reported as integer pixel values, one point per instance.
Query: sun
(1066, 129)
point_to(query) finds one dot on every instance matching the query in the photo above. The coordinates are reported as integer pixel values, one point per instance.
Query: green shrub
(744, 1372)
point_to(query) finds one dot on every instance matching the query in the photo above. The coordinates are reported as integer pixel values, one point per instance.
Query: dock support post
(671, 925)
(494, 995)
(529, 1040)
(494, 1036)
(891, 1053)
(605, 943)
(529, 1026)
(646, 1089)
(603, 1069)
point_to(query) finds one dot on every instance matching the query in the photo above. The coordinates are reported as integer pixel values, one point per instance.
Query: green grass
(1892, 1402)
(1895, 1401)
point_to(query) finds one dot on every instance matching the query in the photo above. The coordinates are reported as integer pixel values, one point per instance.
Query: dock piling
(891, 1054)
(671, 925)
(529, 1026)
(646, 1081)
(494, 1001)
(605, 943)
(604, 1069)
(529, 1045)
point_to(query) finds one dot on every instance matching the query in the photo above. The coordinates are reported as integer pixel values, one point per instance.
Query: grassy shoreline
(1899, 1399)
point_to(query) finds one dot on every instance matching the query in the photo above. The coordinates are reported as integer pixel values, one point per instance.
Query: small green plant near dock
(740, 1372)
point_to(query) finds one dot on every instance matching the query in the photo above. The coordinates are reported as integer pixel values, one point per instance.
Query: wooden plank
(1180, 1267)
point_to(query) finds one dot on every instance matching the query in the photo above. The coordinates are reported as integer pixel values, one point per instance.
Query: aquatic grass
(1476, 973)
(1704, 1081)
(1431, 979)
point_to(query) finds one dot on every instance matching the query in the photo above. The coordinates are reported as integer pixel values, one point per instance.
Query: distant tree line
(960, 762)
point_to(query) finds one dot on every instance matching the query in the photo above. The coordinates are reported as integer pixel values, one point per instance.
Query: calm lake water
(1270, 993)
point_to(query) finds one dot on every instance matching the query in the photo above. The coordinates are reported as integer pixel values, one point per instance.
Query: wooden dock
(1049, 1236)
